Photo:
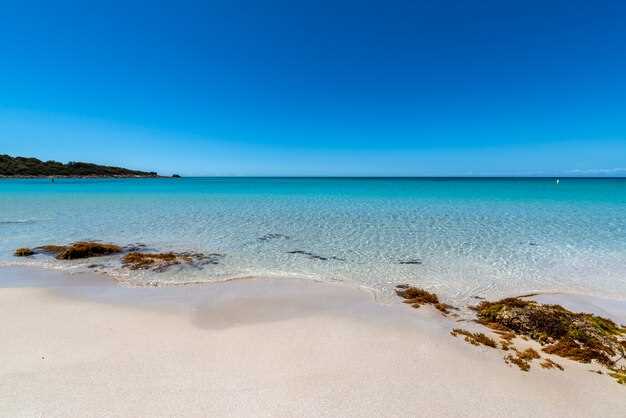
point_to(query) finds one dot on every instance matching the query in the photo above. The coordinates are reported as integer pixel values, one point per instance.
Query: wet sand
(82, 345)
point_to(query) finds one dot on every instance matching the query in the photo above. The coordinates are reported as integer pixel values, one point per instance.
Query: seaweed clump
(551, 364)
(87, 250)
(51, 249)
(522, 359)
(416, 297)
(163, 261)
(23, 252)
(474, 338)
(138, 261)
(582, 337)
(81, 249)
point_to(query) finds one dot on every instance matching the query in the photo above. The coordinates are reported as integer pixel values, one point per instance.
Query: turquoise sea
(459, 237)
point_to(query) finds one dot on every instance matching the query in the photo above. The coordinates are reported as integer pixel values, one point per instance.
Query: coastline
(262, 347)
(84, 177)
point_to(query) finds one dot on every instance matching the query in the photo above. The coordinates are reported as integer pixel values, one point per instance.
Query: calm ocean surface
(487, 237)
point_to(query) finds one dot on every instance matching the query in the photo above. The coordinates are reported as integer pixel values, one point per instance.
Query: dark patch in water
(135, 247)
(415, 261)
(269, 237)
(315, 256)
(28, 221)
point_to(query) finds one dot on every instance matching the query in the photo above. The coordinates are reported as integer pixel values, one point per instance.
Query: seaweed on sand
(551, 364)
(474, 338)
(582, 337)
(522, 359)
(417, 297)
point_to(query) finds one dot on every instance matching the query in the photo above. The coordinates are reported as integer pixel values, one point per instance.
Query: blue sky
(318, 88)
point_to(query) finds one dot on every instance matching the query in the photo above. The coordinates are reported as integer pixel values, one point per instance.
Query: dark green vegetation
(32, 167)
(581, 337)
(417, 297)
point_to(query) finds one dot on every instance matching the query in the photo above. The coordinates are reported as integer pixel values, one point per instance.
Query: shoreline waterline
(42, 277)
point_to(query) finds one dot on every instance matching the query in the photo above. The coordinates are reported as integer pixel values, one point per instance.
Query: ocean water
(459, 237)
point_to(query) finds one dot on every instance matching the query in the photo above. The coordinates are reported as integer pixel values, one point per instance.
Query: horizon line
(402, 177)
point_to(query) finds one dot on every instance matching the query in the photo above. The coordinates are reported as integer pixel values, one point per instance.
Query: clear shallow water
(487, 237)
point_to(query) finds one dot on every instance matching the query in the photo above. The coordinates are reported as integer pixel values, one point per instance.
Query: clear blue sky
(318, 88)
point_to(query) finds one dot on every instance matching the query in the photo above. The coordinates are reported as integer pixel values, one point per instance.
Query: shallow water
(459, 237)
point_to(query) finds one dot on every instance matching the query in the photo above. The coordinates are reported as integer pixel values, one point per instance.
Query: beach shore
(84, 346)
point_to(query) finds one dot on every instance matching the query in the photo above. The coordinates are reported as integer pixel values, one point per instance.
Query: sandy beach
(82, 345)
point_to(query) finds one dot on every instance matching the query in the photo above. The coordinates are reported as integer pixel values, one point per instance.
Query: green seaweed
(582, 337)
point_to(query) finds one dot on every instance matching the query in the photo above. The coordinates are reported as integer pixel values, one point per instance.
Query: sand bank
(82, 346)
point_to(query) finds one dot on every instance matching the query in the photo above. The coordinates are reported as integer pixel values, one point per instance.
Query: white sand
(84, 347)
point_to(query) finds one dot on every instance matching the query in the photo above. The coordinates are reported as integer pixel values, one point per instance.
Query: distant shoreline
(29, 167)
(84, 177)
